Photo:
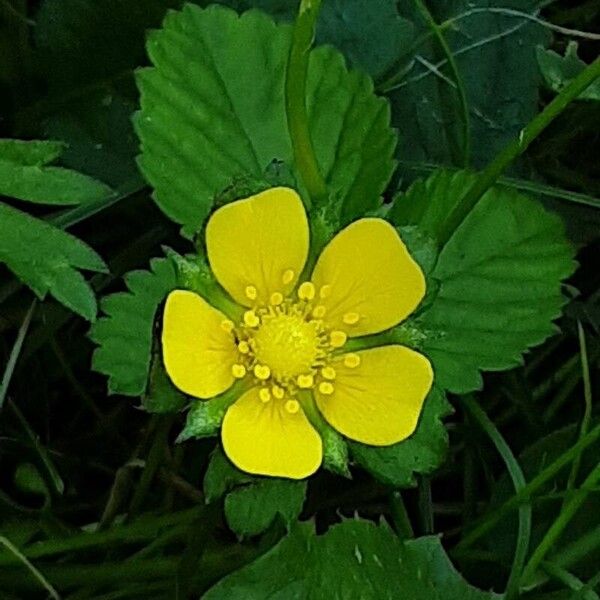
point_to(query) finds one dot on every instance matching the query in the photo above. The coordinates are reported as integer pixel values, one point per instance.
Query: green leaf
(49, 185)
(29, 480)
(370, 34)
(24, 175)
(427, 202)
(205, 121)
(355, 159)
(495, 56)
(499, 279)
(46, 259)
(222, 476)
(124, 334)
(355, 559)
(251, 509)
(558, 71)
(253, 503)
(36, 153)
(422, 453)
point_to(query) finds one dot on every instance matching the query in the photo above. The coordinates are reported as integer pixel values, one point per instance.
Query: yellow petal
(264, 438)
(368, 281)
(198, 346)
(258, 246)
(378, 401)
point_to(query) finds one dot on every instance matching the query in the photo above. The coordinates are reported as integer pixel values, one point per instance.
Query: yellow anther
(276, 298)
(351, 360)
(328, 372)
(319, 312)
(325, 291)
(306, 291)
(262, 372)
(278, 392)
(326, 388)
(227, 325)
(244, 347)
(351, 318)
(238, 371)
(251, 319)
(337, 339)
(288, 277)
(264, 394)
(292, 406)
(251, 292)
(305, 381)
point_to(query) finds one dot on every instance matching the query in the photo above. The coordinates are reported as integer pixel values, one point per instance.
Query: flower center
(288, 344)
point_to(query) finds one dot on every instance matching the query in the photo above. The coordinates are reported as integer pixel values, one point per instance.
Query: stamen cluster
(286, 346)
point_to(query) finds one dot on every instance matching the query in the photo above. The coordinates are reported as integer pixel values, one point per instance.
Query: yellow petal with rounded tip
(379, 401)
(374, 281)
(198, 352)
(263, 438)
(260, 242)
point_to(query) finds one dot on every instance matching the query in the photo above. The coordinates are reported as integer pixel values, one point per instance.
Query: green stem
(518, 479)
(426, 505)
(215, 565)
(400, 517)
(569, 580)
(490, 521)
(556, 529)
(462, 95)
(579, 549)
(156, 457)
(491, 173)
(587, 412)
(37, 575)
(295, 100)
(140, 530)
(14, 353)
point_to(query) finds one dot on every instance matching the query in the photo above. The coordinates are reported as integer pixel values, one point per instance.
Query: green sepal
(407, 334)
(277, 173)
(205, 416)
(324, 222)
(335, 448)
(194, 274)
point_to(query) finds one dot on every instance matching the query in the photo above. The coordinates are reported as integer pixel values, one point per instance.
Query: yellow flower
(288, 345)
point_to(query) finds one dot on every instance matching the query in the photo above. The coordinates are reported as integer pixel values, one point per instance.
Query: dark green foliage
(495, 54)
(98, 500)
